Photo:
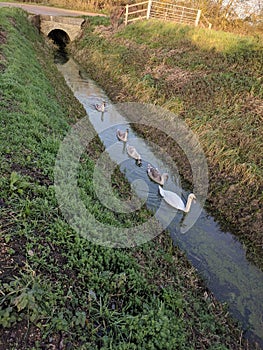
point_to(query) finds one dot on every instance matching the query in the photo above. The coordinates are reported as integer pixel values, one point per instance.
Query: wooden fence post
(126, 15)
(182, 15)
(149, 9)
(197, 17)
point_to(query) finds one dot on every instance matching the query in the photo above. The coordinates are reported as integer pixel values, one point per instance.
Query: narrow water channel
(218, 257)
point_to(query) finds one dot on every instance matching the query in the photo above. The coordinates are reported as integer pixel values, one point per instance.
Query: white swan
(101, 107)
(175, 201)
(122, 135)
(155, 175)
(133, 153)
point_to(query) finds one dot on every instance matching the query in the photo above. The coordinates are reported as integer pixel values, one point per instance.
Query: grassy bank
(58, 289)
(213, 81)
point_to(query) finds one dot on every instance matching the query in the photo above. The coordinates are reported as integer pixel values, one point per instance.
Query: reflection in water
(61, 56)
(217, 255)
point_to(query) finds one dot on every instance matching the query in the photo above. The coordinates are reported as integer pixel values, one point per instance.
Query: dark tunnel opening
(60, 38)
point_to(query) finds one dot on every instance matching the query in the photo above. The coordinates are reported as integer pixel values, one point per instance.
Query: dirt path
(45, 10)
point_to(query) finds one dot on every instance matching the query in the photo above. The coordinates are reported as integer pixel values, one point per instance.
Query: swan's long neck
(164, 177)
(161, 191)
(188, 204)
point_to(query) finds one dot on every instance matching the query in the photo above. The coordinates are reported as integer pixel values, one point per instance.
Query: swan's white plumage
(175, 201)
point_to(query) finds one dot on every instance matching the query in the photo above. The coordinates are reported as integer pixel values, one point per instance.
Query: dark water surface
(218, 256)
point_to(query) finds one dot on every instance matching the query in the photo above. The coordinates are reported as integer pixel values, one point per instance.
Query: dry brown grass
(82, 5)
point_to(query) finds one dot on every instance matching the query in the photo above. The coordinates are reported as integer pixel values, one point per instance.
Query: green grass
(211, 79)
(57, 287)
(168, 34)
